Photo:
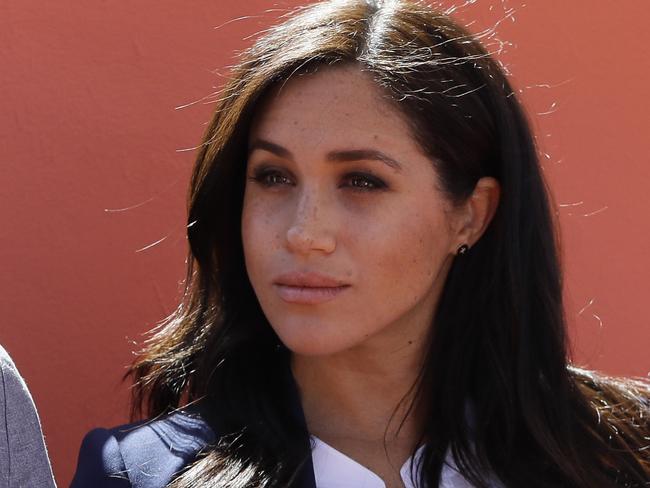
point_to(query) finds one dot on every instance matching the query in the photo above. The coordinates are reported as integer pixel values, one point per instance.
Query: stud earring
(462, 249)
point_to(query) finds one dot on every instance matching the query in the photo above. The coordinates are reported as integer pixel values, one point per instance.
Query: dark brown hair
(499, 330)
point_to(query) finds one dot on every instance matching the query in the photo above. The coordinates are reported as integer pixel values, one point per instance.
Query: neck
(362, 394)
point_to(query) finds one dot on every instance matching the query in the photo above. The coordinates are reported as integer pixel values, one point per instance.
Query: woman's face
(347, 238)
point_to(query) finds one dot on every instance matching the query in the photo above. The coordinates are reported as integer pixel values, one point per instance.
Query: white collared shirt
(333, 469)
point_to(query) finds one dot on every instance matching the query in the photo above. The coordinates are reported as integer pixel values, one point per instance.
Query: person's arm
(100, 462)
(23, 456)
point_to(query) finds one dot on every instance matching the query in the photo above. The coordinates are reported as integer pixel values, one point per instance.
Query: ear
(477, 212)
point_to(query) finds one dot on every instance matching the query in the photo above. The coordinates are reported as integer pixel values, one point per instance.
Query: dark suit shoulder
(100, 462)
(145, 454)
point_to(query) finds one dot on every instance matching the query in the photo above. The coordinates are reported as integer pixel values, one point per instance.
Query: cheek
(406, 258)
(259, 235)
(259, 220)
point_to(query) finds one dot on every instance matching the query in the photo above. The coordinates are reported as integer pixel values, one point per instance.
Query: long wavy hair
(499, 331)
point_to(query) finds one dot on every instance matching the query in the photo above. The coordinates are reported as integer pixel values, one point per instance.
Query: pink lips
(308, 287)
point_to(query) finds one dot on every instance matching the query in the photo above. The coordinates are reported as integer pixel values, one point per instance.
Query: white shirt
(333, 469)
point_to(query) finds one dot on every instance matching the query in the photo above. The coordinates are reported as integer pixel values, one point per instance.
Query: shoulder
(8, 369)
(5, 359)
(145, 454)
(22, 447)
(14, 390)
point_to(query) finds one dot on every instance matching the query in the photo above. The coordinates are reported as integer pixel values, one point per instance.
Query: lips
(308, 279)
(308, 287)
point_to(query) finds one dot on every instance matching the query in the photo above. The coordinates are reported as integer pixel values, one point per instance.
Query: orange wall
(92, 173)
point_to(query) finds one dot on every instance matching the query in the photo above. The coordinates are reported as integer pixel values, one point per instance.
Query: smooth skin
(337, 185)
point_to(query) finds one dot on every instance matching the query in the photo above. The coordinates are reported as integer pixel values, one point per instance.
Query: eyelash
(262, 175)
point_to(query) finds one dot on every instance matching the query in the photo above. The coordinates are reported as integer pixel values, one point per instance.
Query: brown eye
(269, 178)
(365, 182)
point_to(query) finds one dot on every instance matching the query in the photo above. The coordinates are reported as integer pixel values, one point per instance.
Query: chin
(311, 347)
(306, 342)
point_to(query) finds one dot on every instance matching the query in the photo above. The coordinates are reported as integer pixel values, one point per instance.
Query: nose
(310, 228)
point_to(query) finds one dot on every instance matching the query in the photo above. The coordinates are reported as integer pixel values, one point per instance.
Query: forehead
(335, 106)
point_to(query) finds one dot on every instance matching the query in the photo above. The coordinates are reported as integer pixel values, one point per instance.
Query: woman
(373, 295)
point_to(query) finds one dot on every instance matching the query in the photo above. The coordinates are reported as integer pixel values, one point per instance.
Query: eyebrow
(341, 155)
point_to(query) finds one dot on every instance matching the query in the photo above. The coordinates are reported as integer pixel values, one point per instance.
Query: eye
(269, 177)
(365, 182)
(272, 177)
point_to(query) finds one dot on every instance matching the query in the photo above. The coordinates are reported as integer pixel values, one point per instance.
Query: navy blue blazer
(148, 454)
(144, 454)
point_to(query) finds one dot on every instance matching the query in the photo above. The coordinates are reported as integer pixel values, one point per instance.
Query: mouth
(308, 295)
